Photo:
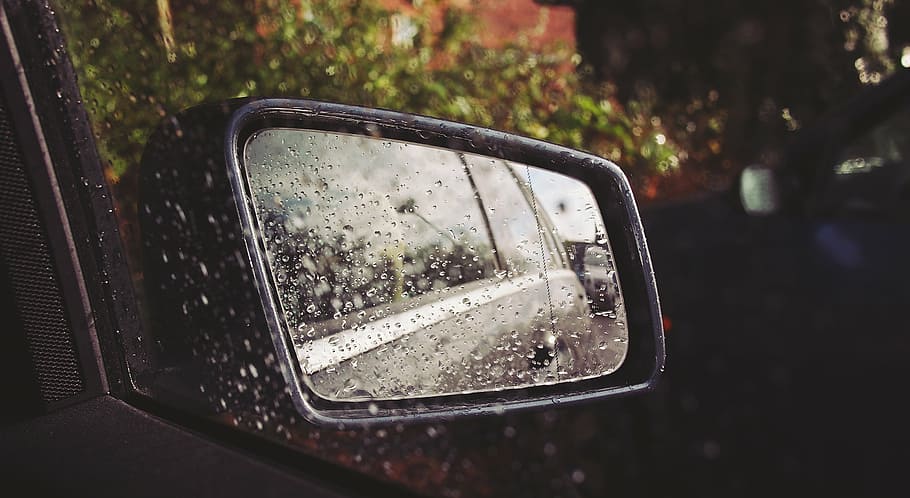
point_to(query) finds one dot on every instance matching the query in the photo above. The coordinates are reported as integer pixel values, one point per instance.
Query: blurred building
(502, 21)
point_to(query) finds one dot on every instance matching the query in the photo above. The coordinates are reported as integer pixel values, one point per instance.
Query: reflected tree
(323, 277)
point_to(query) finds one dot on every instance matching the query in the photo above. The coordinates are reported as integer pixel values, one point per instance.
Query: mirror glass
(405, 270)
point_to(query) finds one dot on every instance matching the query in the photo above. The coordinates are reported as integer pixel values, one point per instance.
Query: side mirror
(378, 266)
(760, 190)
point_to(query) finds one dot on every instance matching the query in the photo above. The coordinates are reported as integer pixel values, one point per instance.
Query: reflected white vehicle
(408, 271)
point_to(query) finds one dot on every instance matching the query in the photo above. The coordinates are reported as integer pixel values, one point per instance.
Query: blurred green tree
(139, 62)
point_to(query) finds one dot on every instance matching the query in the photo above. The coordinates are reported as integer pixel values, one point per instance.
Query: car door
(458, 457)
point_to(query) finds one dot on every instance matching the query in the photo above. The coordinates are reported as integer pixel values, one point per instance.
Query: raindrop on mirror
(419, 271)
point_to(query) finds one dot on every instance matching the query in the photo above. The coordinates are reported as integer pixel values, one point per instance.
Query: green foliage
(139, 62)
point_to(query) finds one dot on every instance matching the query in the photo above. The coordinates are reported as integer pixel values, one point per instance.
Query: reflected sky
(352, 182)
(433, 189)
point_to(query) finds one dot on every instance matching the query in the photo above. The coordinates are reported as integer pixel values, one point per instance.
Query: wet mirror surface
(404, 270)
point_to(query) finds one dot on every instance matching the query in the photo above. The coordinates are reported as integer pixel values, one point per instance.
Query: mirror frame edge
(464, 138)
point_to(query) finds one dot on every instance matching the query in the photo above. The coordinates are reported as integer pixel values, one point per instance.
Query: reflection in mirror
(405, 270)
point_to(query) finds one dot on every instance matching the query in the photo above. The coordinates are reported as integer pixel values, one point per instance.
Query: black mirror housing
(213, 308)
